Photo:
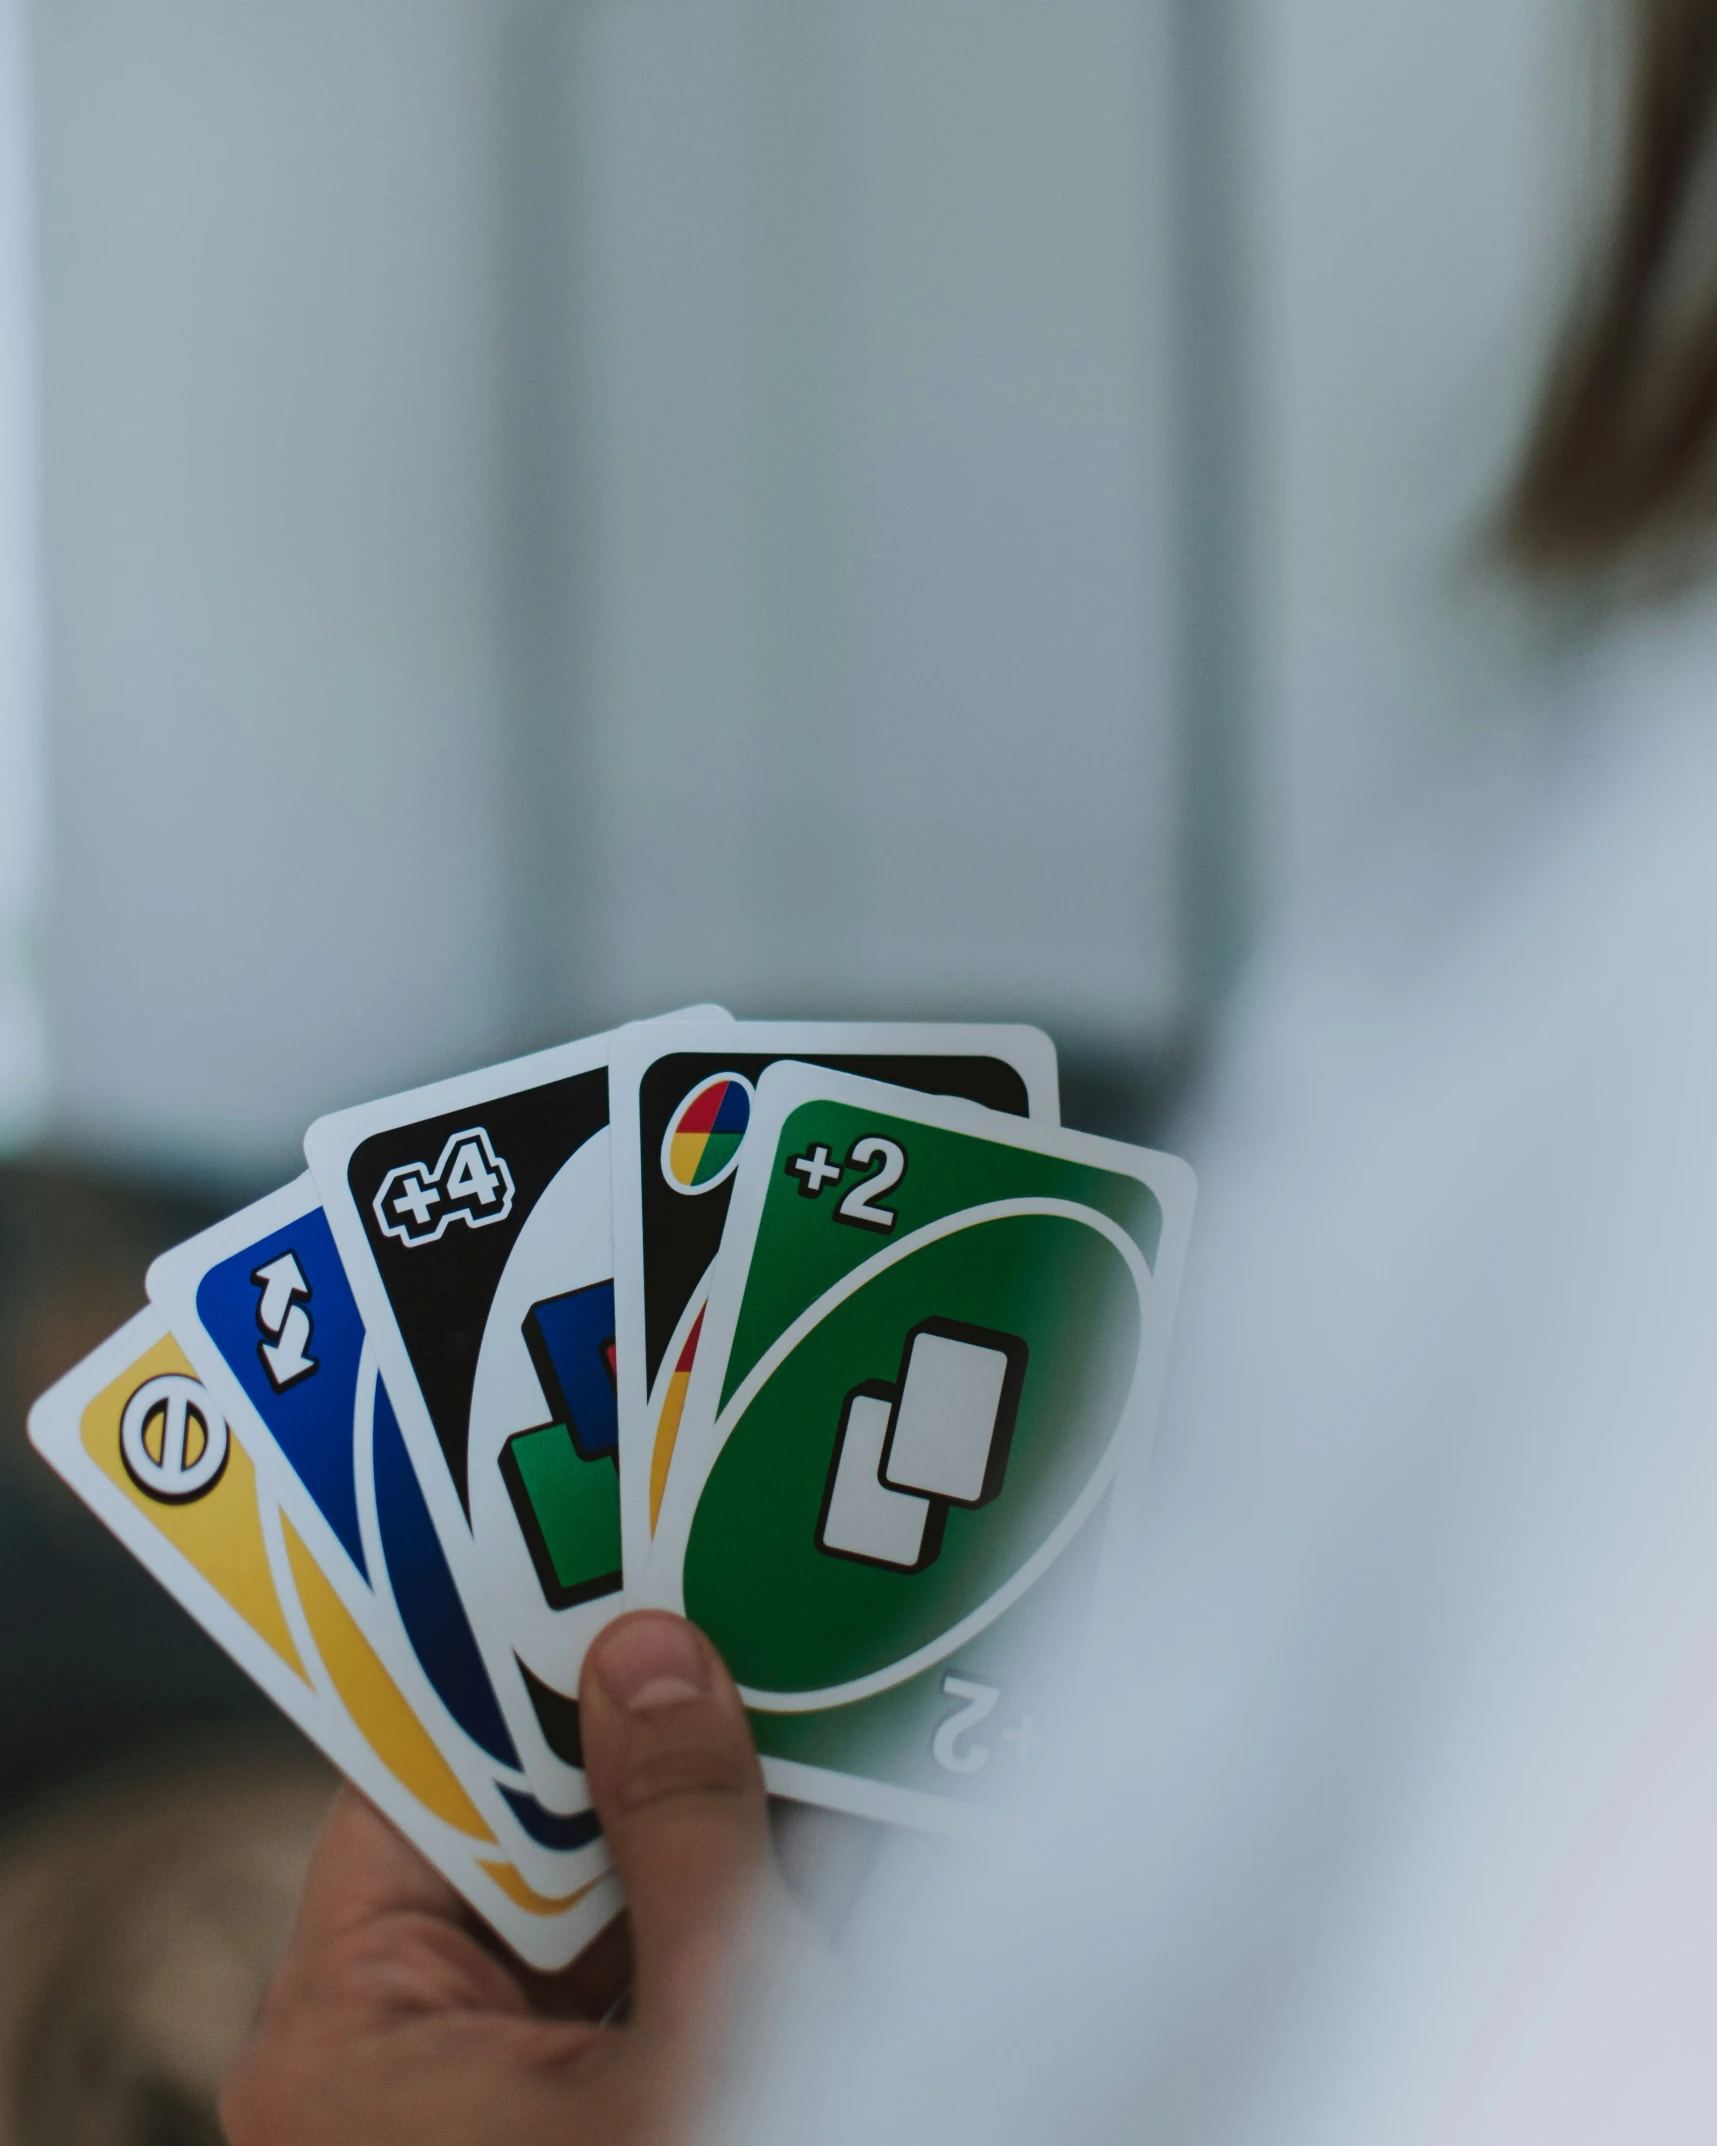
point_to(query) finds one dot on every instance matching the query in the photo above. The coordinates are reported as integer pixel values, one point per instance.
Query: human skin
(392, 2019)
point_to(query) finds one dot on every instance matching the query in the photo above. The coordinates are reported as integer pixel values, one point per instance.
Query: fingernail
(649, 1662)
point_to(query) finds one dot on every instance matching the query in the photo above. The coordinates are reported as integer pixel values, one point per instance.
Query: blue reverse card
(281, 1315)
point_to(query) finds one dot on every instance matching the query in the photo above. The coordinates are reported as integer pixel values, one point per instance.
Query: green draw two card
(916, 1431)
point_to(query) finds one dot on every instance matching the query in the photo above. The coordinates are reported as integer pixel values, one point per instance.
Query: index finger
(364, 1872)
(364, 1868)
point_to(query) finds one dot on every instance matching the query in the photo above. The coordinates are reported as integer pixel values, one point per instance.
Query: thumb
(674, 1776)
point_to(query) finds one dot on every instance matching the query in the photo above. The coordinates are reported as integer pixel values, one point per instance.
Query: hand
(390, 2021)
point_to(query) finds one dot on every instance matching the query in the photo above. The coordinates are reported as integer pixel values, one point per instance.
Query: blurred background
(520, 513)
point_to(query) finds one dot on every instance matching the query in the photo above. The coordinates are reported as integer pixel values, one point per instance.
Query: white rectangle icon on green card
(949, 1432)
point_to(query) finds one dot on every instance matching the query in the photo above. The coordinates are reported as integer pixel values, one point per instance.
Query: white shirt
(1402, 1821)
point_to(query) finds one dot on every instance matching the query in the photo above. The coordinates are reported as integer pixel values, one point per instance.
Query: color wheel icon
(700, 1149)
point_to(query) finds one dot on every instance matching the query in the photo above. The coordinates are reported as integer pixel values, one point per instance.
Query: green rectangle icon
(569, 1511)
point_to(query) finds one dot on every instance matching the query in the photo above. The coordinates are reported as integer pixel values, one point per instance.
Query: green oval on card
(790, 1615)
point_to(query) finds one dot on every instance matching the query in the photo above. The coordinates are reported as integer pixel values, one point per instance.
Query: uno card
(144, 1444)
(681, 1102)
(474, 1219)
(916, 1434)
(261, 1306)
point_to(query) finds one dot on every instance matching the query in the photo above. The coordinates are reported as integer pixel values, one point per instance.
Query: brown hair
(1619, 469)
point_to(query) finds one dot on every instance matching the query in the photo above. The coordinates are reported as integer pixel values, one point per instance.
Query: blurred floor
(155, 1810)
(140, 1921)
(100, 1665)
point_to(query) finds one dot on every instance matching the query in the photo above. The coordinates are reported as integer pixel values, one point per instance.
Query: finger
(591, 1987)
(674, 1776)
(364, 1868)
(379, 1929)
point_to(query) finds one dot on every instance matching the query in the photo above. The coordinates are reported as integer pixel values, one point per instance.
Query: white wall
(556, 511)
(876, 698)
(269, 240)
(23, 794)
(1415, 187)
(559, 509)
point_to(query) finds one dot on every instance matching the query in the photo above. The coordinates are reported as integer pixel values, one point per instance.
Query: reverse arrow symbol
(281, 1280)
(278, 1313)
(284, 1360)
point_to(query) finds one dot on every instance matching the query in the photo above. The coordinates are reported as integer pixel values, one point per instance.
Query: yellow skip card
(140, 1440)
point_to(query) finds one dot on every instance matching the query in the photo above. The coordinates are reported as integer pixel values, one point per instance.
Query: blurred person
(1397, 1815)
